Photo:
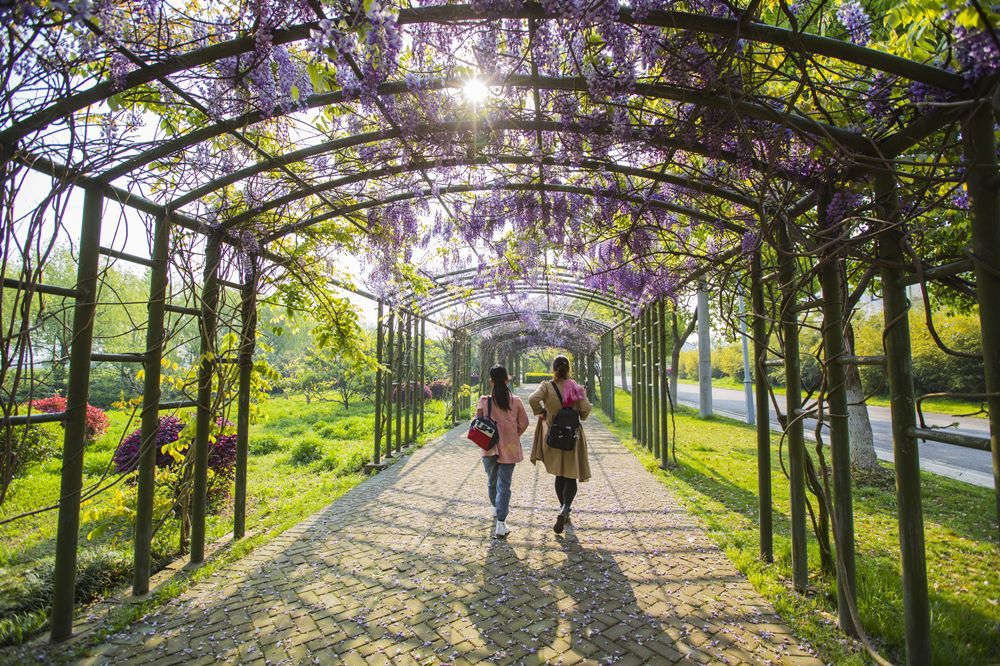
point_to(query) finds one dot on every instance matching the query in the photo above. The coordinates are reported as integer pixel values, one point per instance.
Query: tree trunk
(859, 426)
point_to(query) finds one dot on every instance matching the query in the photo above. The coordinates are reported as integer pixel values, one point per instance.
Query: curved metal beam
(490, 160)
(544, 315)
(514, 187)
(789, 39)
(454, 127)
(445, 301)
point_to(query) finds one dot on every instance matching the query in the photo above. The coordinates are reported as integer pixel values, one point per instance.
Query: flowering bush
(440, 388)
(97, 420)
(126, 456)
(221, 454)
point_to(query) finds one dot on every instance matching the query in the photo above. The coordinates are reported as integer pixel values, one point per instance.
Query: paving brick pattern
(402, 570)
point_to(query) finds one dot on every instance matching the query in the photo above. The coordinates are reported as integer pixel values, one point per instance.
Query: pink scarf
(572, 392)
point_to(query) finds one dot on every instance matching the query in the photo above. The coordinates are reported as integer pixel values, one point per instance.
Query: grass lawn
(717, 480)
(302, 456)
(933, 405)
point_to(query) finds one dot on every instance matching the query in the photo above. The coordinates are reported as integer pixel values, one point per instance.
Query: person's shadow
(558, 596)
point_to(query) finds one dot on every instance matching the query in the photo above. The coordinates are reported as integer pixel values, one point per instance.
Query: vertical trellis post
(454, 376)
(203, 418)
(398, 391)
(763, 420)
(981, 176)
(248, 344)
(650, 359)
(417, 388)
(664, 361)
(793, 410)
(832, 284)
(390, 378)
(155, 314)
(406, 397)
(423, 369)
(639, 382)
(467, 399)
(622, 348)
(635, 393)
(377, 452)
(906, 455)
(657, 364)
(75, 425)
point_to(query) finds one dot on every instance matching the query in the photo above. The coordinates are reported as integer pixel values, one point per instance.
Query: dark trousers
(565, 491)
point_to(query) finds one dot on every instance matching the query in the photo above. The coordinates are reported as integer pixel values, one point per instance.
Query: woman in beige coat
(567, 466)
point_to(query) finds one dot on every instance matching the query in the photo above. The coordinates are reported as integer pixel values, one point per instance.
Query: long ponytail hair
(560, 368)
(501, 392)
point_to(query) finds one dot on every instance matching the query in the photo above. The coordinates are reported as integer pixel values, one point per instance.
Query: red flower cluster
(97, 420)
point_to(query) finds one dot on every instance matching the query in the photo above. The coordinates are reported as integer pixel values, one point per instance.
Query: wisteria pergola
(570, 170)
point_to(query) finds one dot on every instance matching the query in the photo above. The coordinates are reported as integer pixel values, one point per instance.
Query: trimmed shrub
(221, 454)
(440, 388)
(537, 377)
(307, 451)
(126, 455)
(261, 445)
(97, 420)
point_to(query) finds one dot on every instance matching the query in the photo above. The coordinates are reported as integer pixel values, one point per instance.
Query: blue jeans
(500, 475)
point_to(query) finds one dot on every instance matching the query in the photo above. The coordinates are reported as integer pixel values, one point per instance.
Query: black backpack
(562, 432)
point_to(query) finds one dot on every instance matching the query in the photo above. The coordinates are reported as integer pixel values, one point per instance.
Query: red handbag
(483, 430)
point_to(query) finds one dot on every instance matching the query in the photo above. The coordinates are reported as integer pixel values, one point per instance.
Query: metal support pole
(407, 379)
(423, 369)
(664, 360)
(398, 391)
(704, 355)
(155, 313)
(793, 411)
(454, 379)
(763, 419)
(654, 327)
(906, 455)
(390, 378)
(832, 281)
(248, 344)
(377, 452)
(635, 393)
(640, 382)
(203, 422)
(981, 160)
(747, 381)
(75, 425)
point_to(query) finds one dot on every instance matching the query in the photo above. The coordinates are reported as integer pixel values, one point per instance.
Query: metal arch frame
(461, 276)
(513, 187)
(980, 153)
(425, 130)
(487, 160)
(456, 299)
(478, 325)
(751, 30)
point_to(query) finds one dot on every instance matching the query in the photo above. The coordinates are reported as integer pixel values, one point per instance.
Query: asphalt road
(957, 462)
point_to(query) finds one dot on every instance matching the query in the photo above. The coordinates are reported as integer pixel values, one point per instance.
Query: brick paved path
(402, 569)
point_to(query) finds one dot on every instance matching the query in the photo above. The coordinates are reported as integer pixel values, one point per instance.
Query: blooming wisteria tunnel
(517, 175)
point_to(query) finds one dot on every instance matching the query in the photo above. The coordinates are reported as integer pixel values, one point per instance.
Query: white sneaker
(502, 529)
(493, 510)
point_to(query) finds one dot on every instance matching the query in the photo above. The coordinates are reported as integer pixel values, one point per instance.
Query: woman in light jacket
(567, 466)
(512, 420)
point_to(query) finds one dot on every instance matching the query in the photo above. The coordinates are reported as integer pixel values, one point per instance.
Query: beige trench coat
(573, 464)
